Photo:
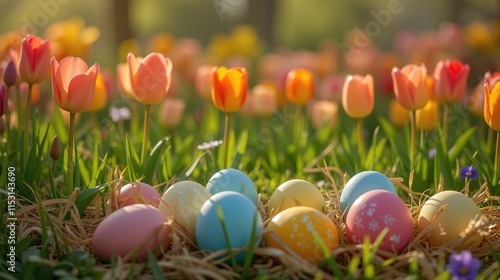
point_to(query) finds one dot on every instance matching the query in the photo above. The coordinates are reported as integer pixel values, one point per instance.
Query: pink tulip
(358, 96)
(150, 77)
(450, 81)
(410, 86)
(34, 59)
(73, 83)
(171, 112)
(263, 100)
(203, 80)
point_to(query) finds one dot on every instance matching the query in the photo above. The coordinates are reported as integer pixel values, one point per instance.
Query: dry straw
(184, 260)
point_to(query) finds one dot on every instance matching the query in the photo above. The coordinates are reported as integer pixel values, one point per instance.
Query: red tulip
(150, 77)
(450, 81)
(34, 59)
(73, 83)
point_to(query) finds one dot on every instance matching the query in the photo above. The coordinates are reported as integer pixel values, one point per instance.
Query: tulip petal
(70, 67)
(26, 59)
(56, 82)
(42, 61)
(81, 90)
(133, 64)
(151, 79)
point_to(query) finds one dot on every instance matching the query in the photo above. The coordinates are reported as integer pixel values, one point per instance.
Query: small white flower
(209, 145)
(388, 219)
(119, 114)
(396, 238)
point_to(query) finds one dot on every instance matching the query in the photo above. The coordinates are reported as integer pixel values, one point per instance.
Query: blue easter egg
(233, 180)
(361, 183)
(239, 216)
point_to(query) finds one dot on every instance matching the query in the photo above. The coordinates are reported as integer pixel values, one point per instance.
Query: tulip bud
(492, 105)
(55, 149)
(358, 96)
(10, 74)
(171, 112)
(324, 112)
(3, 99)
(264, 101)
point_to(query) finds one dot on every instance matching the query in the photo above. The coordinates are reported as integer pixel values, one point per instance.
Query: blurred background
(294, 24)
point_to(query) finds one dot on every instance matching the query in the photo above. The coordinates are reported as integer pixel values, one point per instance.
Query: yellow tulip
(428, 117)
(492, 106)
(398, 115)
(100, 95)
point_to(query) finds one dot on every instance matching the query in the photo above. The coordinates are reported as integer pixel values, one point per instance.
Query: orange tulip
(450, 81)
(299, 87)
(410, 86)
(358, 96)
(229, 88)
(100, 95)
(492, 105)
(427, 117)
(398, 114)
(73, 83)
(150, 77)
(263, 99)
(203, 80)
(34, 59)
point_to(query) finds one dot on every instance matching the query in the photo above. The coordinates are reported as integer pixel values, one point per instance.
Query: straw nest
(183, 260)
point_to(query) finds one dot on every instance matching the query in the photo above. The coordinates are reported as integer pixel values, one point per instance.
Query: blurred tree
(122, 30)
(261, 14)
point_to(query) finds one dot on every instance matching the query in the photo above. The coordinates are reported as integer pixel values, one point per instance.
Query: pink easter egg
(135, 192)
(132, 229)
(375, 210)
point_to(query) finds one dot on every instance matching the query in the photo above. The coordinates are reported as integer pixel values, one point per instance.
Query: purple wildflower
(463, 266)
(432, 153)
(468, 172)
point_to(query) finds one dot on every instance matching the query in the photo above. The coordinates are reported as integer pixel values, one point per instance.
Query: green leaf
(444, 161)
(133, 163)
(153, 159)
(328, 256)
(460, 143)
(398, 146)
(190, 170)
(86, 196)
(157, 273)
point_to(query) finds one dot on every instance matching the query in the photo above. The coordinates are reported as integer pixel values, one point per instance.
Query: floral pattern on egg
(297, 227)
(376, 210)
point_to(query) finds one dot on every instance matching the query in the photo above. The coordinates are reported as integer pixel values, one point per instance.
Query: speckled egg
(296, 192)
(183, 201)
(296, 227)
(239, 216)
(361, 183)
(138, 227)
(452, 221)
(375, 210)
(135, 192)
(233, 180)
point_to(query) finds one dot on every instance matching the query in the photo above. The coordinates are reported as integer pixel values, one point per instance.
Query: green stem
(361, 143)
(145, 136)
(71, 140)
(95, 124)
(298, 125)
(18, 107)
(27, 124)
(496, 168)
(445, 121)
(227, 127)
(134, 122)
(489, 140)
(413, 139)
